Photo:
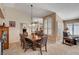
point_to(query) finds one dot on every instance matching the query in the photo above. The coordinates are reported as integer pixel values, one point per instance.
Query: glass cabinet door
(4, 35)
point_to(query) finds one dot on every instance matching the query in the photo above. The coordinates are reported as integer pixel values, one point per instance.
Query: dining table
(35, 40)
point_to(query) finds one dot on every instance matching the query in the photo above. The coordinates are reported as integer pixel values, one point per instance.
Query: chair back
(44, 40)
(22, 39)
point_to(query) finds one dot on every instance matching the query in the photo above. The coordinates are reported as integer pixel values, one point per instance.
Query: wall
(12, 14)
(59, 29)
(52, 37)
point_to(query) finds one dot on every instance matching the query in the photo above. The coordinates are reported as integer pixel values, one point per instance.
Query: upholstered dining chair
(43, 43)
(25, 44)
(21, 40)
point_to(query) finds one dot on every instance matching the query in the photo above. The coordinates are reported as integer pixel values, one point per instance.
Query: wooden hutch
(3, 29)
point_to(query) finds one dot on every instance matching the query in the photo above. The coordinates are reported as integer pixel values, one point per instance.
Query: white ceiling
(26, 8)
(64, 10)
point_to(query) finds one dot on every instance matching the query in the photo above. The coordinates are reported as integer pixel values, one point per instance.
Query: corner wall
(57, 28)
(53, 33)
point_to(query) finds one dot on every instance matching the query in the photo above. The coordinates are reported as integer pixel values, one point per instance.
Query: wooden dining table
(35, 40)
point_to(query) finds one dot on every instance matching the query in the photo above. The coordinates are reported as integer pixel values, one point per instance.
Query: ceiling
(64, 10)
(26, 8)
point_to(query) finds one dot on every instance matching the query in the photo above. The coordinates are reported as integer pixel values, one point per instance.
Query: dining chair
(43, 43)
(25, 43)
(21, 40)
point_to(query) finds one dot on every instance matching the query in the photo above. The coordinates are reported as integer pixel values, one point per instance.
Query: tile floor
(53, 49)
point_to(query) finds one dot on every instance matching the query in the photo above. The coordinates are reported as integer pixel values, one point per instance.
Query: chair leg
(63, 41)
(25, 50)
(41, 50)
(21, 43)
(23, 46)
(46, 48)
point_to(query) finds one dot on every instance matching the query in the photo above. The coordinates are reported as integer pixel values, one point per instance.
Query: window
(45, 27)
(73, 28)
(70, 28)
(37, 23)
(76, 29)
(48, 26)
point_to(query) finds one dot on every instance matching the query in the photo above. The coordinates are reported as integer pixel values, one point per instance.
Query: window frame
(73, 28)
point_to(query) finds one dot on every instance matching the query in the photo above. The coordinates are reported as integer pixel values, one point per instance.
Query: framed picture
(12, 23)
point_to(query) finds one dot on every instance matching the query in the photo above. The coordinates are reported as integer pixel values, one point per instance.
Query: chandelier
(31, 12)
(34, 24)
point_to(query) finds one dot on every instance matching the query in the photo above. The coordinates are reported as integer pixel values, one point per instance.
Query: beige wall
(53, 18)
(12, 14)
(59, 29)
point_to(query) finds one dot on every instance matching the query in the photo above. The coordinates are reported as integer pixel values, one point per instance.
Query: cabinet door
(0, 33)
(6, 42)
(5, 29)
